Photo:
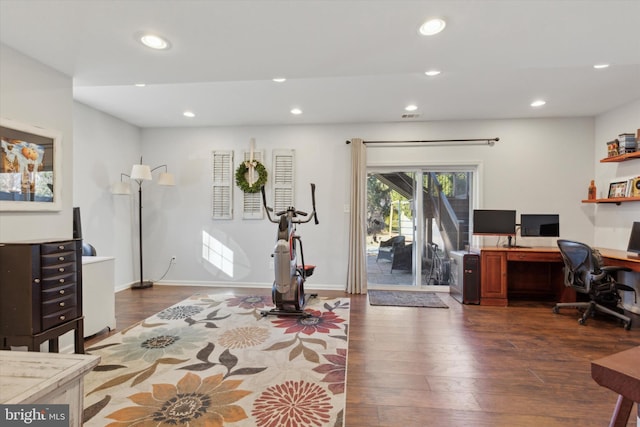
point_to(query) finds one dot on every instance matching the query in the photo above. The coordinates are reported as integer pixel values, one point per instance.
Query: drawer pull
(37, 280)
(62, 317)
(61, 269)
(62, 304)
(60, 247)
(60, 258)
(61, 291)
(61, 280)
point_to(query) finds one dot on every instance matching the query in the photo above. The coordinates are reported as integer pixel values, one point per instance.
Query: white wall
(104, 147)
(539, 166)
(37, 95)
(613, 223)
(175, 218)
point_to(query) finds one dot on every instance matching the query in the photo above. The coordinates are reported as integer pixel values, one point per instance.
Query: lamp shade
(121, 188)
(141, 172)
(166, 178)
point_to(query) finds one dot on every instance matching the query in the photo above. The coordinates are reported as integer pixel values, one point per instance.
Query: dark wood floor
(463, 366)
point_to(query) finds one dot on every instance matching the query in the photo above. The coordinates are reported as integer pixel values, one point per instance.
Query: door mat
(406, 299)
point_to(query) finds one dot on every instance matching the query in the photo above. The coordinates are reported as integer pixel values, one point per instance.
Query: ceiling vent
(410, 116)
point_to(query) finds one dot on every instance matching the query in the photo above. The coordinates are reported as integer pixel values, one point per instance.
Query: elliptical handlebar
(295, 213)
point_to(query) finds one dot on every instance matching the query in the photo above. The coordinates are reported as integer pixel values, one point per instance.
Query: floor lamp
(140, 173)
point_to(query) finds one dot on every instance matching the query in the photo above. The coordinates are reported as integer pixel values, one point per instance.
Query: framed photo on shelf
(618, 189)
(30, 169)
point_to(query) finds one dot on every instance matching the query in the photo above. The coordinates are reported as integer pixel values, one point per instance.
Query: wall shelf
(621, 158)
(616, 200)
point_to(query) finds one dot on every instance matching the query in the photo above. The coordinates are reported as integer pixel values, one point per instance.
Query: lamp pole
(142, 283)
(140, 173)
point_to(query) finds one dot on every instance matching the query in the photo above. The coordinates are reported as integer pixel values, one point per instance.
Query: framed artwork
(30, 168)
(618, 189)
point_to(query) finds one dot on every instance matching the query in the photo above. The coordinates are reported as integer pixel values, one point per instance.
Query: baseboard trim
(308, 287)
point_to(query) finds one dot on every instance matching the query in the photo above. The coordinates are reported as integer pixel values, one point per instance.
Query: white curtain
(357, 269)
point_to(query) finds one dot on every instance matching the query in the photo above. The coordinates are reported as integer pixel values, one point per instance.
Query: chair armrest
(614, 268)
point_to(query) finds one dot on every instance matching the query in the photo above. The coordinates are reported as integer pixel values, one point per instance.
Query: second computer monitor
(537, 225)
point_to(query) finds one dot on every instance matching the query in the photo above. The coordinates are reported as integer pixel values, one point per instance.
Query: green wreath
(241, 180)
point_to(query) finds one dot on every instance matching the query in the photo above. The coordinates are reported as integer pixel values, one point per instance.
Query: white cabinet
(45, 378)
(98, 294)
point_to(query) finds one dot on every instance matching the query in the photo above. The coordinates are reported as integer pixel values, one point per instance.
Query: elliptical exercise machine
(288, 287)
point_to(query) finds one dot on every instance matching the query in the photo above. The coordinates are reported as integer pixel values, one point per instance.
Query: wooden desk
(533, 273)
(527, 273)
(45, 378)
(621, 258)
(620, 372)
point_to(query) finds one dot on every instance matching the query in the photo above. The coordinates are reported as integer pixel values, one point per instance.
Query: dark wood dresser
(41, 293)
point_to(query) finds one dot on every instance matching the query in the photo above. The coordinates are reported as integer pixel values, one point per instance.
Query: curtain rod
(489, 141)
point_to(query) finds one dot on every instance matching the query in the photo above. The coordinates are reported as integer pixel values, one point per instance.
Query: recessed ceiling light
(600, 66)
(538, 103)
(432, 73)
(154, 42)
(140, 85)
(411, 107)
(296, 111)
(279, 80)
(188, 114)
(432, 27)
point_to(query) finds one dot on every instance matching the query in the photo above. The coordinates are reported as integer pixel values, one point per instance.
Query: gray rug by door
(406, 299)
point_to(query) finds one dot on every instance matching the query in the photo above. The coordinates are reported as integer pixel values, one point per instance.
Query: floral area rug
(216, 361)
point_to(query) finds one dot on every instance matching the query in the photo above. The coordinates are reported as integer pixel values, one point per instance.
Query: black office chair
(584, 271)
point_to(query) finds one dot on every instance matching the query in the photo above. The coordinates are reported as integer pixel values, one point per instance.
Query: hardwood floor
(464, 366)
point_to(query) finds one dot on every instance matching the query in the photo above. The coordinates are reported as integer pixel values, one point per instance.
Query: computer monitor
(634, 239)
(494, 222)
(538, 225)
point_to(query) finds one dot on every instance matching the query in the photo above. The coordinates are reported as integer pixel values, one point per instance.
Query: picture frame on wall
(30, 167)
(618, 189)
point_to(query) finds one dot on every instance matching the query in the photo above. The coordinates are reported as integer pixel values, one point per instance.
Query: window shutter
(252, 204)
(283, 179)
(222, 202)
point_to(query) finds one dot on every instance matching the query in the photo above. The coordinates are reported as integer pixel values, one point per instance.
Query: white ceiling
(346, 61)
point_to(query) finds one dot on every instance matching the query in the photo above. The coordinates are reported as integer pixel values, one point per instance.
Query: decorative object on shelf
(592, 190)
(140, 173)
(612, 148)
(626, 143)
(30, 167)
(635, 187)
(618, 189)
(251, 175)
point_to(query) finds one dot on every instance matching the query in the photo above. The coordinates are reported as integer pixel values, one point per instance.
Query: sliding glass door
(391, 227)
(415, 218)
